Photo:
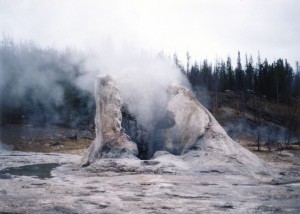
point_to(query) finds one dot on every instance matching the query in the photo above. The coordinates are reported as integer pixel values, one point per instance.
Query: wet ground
(54, 183)
(41, 171)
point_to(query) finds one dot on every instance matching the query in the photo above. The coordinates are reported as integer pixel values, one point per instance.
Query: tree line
(275, 81)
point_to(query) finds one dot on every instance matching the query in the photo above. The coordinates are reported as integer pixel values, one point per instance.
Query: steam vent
(187, 132)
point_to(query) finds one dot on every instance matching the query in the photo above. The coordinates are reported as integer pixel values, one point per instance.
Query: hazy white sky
(205, 28)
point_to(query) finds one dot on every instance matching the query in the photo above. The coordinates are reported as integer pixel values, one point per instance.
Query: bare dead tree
(258, 140)
(289, 126)
(270, 140)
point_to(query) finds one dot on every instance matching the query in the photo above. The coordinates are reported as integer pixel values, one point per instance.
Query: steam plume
(142, 78)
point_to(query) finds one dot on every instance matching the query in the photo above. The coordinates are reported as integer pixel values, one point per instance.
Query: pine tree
(194, 75)
(206, 74)
(229, 74)
(296, 82)
(249, 74)
(224, 83)
(239, 74)
(258, 76)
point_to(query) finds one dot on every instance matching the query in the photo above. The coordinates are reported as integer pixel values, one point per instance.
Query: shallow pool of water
(42, 171)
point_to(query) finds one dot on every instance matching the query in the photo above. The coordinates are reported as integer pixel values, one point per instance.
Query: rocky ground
(37, 181)
(167, 184)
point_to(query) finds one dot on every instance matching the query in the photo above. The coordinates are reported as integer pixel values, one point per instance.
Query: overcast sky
(205, 28)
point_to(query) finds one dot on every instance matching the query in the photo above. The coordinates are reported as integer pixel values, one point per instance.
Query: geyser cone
(197, 133)
(110, 140)
(186, 128)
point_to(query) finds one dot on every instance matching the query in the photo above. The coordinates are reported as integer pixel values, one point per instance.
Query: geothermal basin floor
(136, 186)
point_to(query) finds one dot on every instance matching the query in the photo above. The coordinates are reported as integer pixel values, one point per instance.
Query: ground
(39, 138)
(135, 186)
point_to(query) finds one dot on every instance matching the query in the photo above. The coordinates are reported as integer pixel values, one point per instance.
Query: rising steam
(4, 148)
(51, 86)
(142, 78)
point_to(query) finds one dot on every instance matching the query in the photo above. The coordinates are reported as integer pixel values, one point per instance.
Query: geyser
(185, 128)
(119, 133)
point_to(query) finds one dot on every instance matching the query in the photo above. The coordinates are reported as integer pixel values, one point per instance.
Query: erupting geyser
(186, 128)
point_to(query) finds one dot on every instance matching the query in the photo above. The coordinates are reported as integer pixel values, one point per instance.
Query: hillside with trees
(265, 95)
